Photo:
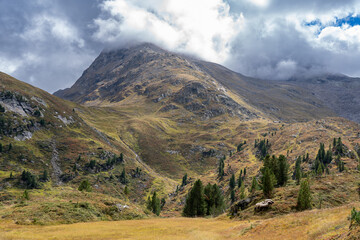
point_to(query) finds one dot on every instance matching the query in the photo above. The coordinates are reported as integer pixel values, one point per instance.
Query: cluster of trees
(274, 173)
(30, 180)
(338, 146)
(276, 170)
(320, 165)
(263, 147)
(340, 164)
(154, 204)
(202, 201)
(240, 184)
(94, 165)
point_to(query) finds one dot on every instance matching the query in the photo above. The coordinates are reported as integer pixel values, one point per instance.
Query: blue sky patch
(350, 20)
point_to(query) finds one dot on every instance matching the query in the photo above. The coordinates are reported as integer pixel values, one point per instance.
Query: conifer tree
(214, 201)
(283, 168)
(184, 180)
(221, 168)
(155, 204)
(298, 171)
(254, 185)
(232, 196)
(232, 182)
(304, 197)
(242, 191)
(123, 179)
(195, 202)
(267, 183)
(239, 180)
(45, 176)
(1, 147)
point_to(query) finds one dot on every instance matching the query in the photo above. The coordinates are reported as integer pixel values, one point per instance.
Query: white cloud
(43, 25)
(204, 27)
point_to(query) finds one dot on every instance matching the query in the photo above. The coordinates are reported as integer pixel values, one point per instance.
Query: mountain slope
(40, 132)
(339, 93)
(173, 81)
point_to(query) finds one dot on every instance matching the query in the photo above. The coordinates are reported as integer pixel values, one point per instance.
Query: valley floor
(315, 224)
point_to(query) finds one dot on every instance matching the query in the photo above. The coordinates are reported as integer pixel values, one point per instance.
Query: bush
(85, 186)
(354, 217)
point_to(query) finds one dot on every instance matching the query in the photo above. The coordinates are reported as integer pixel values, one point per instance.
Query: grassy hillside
(40, 132)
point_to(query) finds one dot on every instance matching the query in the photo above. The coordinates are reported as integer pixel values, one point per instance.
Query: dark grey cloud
(47, 43)
(50, 43)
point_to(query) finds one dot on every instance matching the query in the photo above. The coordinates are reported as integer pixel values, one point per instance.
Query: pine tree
(239, 180)
(123, 179)
(283, 168)
(232, 196)
(254, 185)
(162, 203)
(195, 202)
(155, 204)
(10, 147)
(339, 148)
(242, 191)
(298, 171)
(232, 182)
(26, 195)
(126, 190)
(214, 201)
(1, 147)
(304, 197)
(45, 176)
(221, 168)
(149, 204)
(320, 169)
(267, 182)
(244, 172)
(184, 180)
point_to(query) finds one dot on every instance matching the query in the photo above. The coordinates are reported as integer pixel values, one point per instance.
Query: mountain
(338, 92)
(141, 119)
(150, 74)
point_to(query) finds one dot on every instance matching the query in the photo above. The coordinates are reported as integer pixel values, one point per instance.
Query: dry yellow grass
(315, 224)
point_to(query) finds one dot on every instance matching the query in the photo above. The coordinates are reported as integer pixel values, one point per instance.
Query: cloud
(41, 45)
(269, 39)
(204, 27)
(50, 43)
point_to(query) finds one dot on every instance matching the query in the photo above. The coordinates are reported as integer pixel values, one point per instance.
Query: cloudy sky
(49, 43)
